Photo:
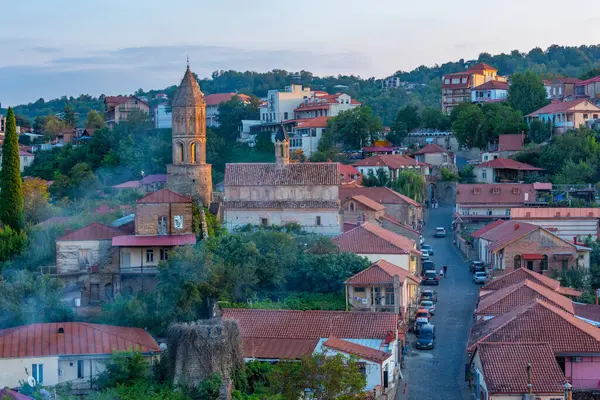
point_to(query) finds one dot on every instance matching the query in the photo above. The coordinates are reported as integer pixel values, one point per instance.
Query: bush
(448, 175)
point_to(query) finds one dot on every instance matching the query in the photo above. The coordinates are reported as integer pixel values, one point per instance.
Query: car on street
(477, 266)
(428, 305)
(429, 294)
(419, 322)
(423, 313)
(431, 278)
(439, 232)
(426, 337)
(421, 240)
(479, 277)
(425, 255)
(427, 265)
(428, 248)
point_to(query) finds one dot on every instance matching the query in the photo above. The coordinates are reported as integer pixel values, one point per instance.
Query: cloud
(125, 70)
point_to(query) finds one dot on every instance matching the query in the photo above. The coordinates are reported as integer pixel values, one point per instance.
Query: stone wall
(194, 180)
(353, 211)
(146, 217)
(306, 218)
(445, 192)
(296, 193)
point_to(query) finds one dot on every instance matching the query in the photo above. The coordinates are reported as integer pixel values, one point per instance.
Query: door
(530, 265)
(126, 260)
(94, 292)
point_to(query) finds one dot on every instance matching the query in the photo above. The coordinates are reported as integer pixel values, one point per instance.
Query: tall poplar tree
(11, 187)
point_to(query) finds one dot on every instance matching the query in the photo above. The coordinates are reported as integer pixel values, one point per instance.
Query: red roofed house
(512, 245)
(87, 264)
(589, 88)
(272, 335)
(490, 92)
(502, 170)
(324, 105)
(507, 146)
(118, 108)
(163, 220)
(306, 135)
(375, 243)
(559, 88)
(382, 287)
(349, 175)
(503, 371)
(61, 352)
(435, 155)
(214, 100)
(567, 114)
(458, 87)
(392, 164)
(568, 223)
(25, 159)
(359, 208)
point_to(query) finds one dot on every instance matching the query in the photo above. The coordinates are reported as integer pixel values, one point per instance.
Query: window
(446, 81)
(544, 263)
(488, 212)
(507, 212)
(485, 158)
(108, 292)
(285, 115)
(95, 292)
(181, 158)
(595, 116)
(318, 220)
(464, 80)
(84, 257)
(517, 262)
(352, 206)
(80, 373)
(359, 290)
(164, 254)
(264, 222)
(483, 174)
(455, 81)
(193, 153)
(150, 255)
(162, 225)
(465, 211)
(37, 371)
(565, 264)
(586, 116)
(389, 298)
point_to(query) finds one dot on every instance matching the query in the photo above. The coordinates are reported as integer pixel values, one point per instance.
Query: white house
(74, 352)
(281, 103)
(212, 105)
(306, 135)
(393, 164)
(490, 92)
(25, 158)
(503, 170)
(324, 105)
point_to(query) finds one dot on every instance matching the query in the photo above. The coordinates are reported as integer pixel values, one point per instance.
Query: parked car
(431, 278)
(427, 265)
(423, 313)
(425, 255)
(421, 240)
(426, 337)
(429, 295)
(477, 266)
(420, 322)
(428, 305)
(480, 277)
(428, 248)
(439, 232)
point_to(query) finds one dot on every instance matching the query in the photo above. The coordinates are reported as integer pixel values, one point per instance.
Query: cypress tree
(11, 187)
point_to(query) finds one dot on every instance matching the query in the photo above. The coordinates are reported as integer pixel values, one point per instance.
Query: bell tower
(189, 174)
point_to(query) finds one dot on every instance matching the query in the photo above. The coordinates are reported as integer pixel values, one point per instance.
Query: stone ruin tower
(199, 349)
(190, 174)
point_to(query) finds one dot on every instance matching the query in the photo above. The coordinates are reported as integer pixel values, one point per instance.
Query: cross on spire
(188, 60)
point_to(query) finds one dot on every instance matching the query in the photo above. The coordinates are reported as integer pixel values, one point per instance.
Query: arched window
(352, 206)
(517, 262)
(544, 263)
(181, 153)
(193, 153)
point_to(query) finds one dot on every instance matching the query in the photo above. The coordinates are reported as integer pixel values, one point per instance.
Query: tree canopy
(526, 92)
(11, 187)
(354, 128)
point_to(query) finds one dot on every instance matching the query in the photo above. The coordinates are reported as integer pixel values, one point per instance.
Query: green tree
(434, 118)
(448, 175)
(11, 187)
(53, 125)
(354, 128)
(572, 173)
(411, 184)
(94, 120)
(210, 389)
(36, 197)
(70, 118)
(539, 131)
(123, 368)
(590, 74)
(467, 124)
(379, 178)
(409, 117)
(23, 122)
(230, 115)
(11, 243)
(466, 174)
(526, 92)
(499, 119)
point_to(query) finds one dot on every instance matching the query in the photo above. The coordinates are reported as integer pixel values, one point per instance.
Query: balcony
(139, 270)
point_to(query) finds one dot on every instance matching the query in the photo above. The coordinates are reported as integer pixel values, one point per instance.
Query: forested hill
(582, 61)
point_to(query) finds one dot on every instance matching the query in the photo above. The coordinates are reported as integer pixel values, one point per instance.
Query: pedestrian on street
(445, 270)
(441, 273)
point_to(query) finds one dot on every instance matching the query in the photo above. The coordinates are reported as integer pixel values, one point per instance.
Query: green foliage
(11, 200)
(94, 120)
(434, 118)
(69, 118)
(354, 128)
(571, 173)
(409, 117)
(11, 243)
(539, 131)
(590, 74)
(140, 390)
(380, 178)
(466, 174)
(210, 389)
(449, 175)
(230, 115)
(123, 368)
(410, 183)
(295, 301)
(466, 124)
(526, 92)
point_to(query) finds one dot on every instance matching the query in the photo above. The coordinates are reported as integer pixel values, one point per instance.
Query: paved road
(439, 373)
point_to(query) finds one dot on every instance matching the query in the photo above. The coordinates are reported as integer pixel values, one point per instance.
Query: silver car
(479, 277)
(428, 305)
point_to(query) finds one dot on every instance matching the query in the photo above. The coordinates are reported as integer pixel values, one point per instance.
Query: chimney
(517, 226)
(575, 239)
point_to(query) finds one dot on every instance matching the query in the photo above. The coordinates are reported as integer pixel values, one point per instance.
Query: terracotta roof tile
(431, 148)
(148, 179)
(491, 193)
(587, 311)
(520, 275)
(369, 238)
(392, 161)
(294, 324)
(396, 221)
(356, 349)
(507, 163)
(347, 174)
(486, 228)
(275, 348)
(318, 122)
(269, 174)
(217, 98)
(381, 272)
(95, 231)
(506, 233)
(510, 142)
(505, 368)
(561, 106)
(492, 85)
(164, 196)
(367, 202)
(555, 213)
(506, 299)
(481, 67)
(36, 340)
(128, 185)
(539, 321)
(380, 194)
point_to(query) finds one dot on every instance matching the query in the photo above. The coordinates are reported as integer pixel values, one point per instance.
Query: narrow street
(439, 373)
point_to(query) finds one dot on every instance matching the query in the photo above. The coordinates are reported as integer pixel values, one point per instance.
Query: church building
(283, 193)
(190, 174)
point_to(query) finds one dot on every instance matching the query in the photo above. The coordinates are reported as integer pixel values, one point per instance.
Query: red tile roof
(157, 240)
(148, 179)
(79, 338)
(378, 149)
(561, 107)
(505, 368)
(506, 233)
(380, 194)
(431, 148)
(521, 274)
(587, 81)
(481, 67)
(396, 221)
(392, 161)
(539, 321)
(369, 238)
(128, 185)
(492, 85)
(492, 193)
(275, 348)
(316, 324)
(164, 196)
(114, 100)
(217, 98)
(269, 174)
(381, 273)
(55, 221)
(510, 142)
(506, 299)
(569, 80)
(24, 154)
(95, 231)
(587, 311)
(507, 163)
(367, 202)
(347, 172)
(356, 349)
(555, 213)
(486, 228)
(318, 122)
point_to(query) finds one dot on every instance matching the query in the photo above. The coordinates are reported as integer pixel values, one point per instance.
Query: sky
(70, 47)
